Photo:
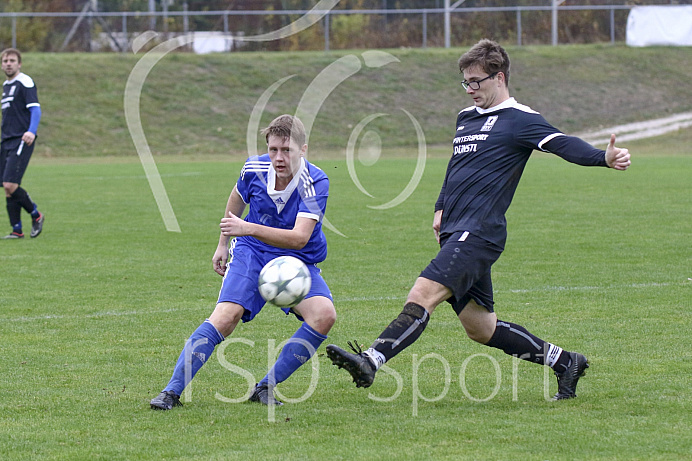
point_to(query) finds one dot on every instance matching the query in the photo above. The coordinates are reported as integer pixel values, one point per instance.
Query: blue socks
(200, 345)
(298, 350)
(197, 350)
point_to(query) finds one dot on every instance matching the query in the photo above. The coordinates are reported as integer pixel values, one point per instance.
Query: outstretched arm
(576, 150)
(616, 157)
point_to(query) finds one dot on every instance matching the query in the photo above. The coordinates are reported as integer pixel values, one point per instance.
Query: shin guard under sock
(403, 331)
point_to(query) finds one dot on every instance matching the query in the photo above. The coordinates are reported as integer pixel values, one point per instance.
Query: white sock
(553, 355)
(376, 357)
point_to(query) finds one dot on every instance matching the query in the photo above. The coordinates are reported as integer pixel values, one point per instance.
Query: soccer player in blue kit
(494, 139)
(288, 198)
(21, 113)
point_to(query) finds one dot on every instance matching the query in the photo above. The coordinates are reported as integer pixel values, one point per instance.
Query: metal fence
(452, 25)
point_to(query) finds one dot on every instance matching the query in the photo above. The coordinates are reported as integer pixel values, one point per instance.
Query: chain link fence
(94, 31)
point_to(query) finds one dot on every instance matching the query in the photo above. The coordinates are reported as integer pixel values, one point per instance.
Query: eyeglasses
(476, 84)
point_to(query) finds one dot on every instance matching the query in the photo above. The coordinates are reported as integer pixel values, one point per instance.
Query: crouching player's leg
(197, 350)
(318, 315)
(238, 300)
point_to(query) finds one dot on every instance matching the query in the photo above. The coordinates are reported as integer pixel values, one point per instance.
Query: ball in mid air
(284, 281)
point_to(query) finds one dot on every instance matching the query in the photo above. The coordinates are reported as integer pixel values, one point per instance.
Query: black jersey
(18, 95)
(491, 148)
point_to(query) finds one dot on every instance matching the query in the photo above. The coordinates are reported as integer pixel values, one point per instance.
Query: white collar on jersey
(511, 102)
(21, 77)
(280, 197)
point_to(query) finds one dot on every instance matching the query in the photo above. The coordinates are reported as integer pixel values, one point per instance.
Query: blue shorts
(463, 265)
(14, 159)
(240, 281)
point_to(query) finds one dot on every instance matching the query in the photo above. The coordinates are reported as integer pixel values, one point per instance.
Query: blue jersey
(18, 95)
(305, 196)
(491, 148)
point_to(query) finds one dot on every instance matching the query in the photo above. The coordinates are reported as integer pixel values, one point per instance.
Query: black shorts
(463, 265)
(14, 159)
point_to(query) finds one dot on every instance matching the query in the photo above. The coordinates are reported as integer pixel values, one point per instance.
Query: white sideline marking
(91, 316)
(141, 176)
(639, 130)
(587, 288)
(337, 301)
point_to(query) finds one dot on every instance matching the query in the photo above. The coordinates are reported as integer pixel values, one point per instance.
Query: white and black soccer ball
(284, 281)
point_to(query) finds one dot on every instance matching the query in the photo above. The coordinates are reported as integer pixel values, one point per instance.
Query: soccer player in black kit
(21, 114)
(494, 139)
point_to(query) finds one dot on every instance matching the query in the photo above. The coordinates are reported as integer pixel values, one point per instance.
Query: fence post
(152, 18)
(326, 32)
(554, 23)
(126, 41)
(518, 27)
(14, 31)
(612, 25)
(425, 28)
(447, 25)
(186, 21)
(164, 9)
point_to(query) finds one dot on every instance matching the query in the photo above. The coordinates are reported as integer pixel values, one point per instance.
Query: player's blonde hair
(286, 126)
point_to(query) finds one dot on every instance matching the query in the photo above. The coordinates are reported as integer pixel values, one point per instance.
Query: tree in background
(32, 33)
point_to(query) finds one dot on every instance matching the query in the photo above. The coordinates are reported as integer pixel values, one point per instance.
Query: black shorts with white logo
(14, 159)
(463, 265)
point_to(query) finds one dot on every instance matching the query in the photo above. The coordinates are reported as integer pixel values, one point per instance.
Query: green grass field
(201, 104)
(95, 312)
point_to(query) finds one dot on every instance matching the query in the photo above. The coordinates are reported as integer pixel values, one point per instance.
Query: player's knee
(330, 317)
(479, 336)
(9, 187)
(428, 293)
(481, 333)
(326, 317)
(320, 316)
(478, 322)
(226, 317)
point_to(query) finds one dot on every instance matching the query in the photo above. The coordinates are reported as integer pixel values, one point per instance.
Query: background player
(21, 114)
(494, 139)
(287, 197)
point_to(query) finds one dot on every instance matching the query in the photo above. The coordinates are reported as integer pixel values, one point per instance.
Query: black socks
(509, 337)
(23, 199)
(14, 211)
(515, 340)
(403, 331)
(15, 202)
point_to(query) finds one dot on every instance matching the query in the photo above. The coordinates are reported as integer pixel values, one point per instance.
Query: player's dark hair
(12, 51)
(286, 127)
(489, 56)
